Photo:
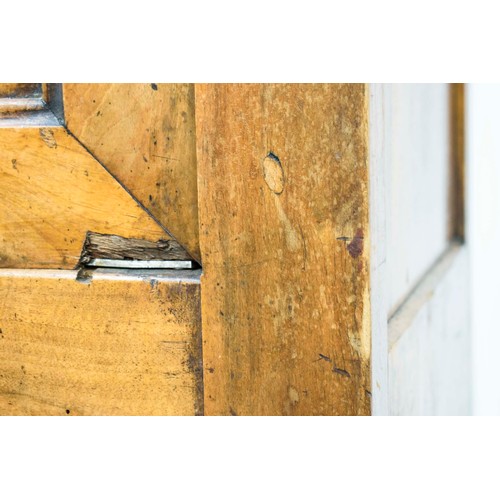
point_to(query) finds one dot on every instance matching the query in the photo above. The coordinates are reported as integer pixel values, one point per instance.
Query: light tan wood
(145, 135)
(53, 192)
(114, 346)
(283, 194)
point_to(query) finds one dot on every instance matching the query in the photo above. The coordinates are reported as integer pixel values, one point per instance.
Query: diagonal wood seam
(120, 183)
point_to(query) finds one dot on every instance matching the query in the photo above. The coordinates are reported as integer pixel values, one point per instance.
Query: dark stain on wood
(110, 246)
(194, 360)
(355, 248)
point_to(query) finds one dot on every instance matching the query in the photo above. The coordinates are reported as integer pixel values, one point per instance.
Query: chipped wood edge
(113, 247)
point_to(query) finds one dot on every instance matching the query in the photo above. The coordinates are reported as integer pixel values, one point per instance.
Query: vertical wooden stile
(283, 200)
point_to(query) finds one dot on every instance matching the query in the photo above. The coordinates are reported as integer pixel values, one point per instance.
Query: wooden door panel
(144, 134)
(420, 273)
(121, 343)
(84, 341)
(418, 184)
(284, 238)
(429, 351)
(291, 184)
(53, 192)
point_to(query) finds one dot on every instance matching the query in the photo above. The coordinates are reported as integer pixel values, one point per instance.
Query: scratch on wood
(345, 373)
(166, 158)
(48, 137)
(304, 245)
(323, 357)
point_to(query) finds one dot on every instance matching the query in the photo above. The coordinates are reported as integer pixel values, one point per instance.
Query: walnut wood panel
(114, 346)
(283, 200)
(53, 192)
(145, 135)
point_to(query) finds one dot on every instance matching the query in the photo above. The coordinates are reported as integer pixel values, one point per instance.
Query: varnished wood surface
(145, 135)
(53, 192)
(117, 345)
(284, 239)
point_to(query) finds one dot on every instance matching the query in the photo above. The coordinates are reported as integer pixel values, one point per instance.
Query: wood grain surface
(117, 345)
(283, 194)
(109, 246)
(53, 192)
(144, 134)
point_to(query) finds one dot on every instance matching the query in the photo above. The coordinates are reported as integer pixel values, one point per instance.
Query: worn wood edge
(422, 293)
(141, 264)
(171, 275)
(114, 247)
(379, 155)
(44, 117)
(15, 104)
(457, 188)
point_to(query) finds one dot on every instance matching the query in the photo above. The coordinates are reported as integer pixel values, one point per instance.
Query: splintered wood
(109, 246)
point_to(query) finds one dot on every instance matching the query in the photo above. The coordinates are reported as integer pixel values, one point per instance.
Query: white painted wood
(380, 150)
(417, 183)
(141, 264)
(483, 232)
(429, 358)
(421, 357)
